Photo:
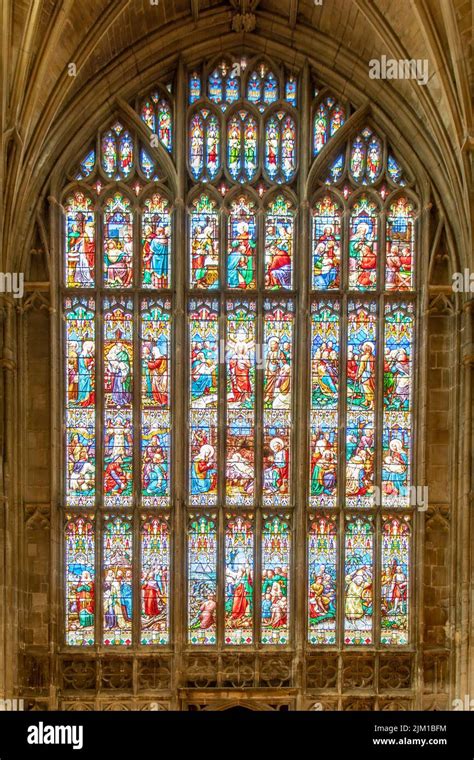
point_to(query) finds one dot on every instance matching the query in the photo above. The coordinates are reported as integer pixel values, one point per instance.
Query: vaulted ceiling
(115, 44)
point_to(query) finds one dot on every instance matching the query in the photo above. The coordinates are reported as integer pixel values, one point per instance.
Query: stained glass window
(155, 580)
(157, 115)
(279, 245)
(117, 562)
(358, 581)
(259, 378)
(241, 360)
(202, 580)
(156, 243)
(277, 415)
(203, 391)
(242, 147)
(363, 245)
(280, 147)
(80, 580)
(242, 243)
(395, 580)
(325, 352)
(204, 244)
(118, 394)
(329, 117)
(204, 145)
(400, 245)
(155, 402)
(361, 387)
(80, 241)
(118, 242)
(326, 244)
(322, 580)
(239, 580)
(276, 559)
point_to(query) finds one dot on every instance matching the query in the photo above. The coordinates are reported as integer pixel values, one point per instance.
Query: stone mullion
(463, 520)
(301, 394)
(99, 432)
(258, 420)
(344, 300)
(418, 421)
(378, 430)
(136, 421)
(418, 475)
(58, 453)
(179, 391)
(221, 427)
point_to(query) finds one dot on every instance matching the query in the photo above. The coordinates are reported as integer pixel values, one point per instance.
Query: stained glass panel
(79, 558)
(80, 401)
(329, 117)
(204, 145)
(322, 575)
(125, 153)
(277, 417)
(325, 350)
(80, 241)
(279, 231)
(400, 245)
(280, 147)
(156, 242)
(275, 581)
(242, 233)
(157, 115)
(396, 439)
(118, 242)
(155, 402)
(358, 570)
(204, 243)
(242, 147)
(118, 376)
(240, 360)
(395, 580)
(202, 580)
(194, 87)
(360, 373)
(239, 580)
(155, 593)
(291, 90)
(203, 413)
(366, 157)
(117, 583)
(363, 245)
(326, 244)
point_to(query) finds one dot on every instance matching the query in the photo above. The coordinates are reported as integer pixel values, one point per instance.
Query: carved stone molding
(387, 705)
(395, 672)
(437, 518)
(441, 305)
(201, 671)
(36, 301)
(154, 673)
(321, 672)
(237, 671)
(243, 18)
(79, 675)
(352, 704)
(358, 672)
(117, 673)
(37, 516)
(276, 671)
